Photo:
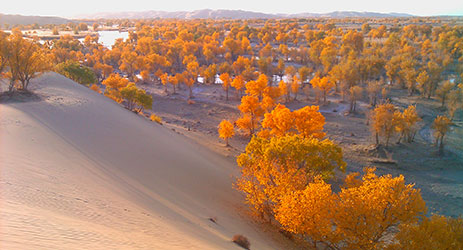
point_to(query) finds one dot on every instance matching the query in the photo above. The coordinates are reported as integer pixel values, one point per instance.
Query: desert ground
(80, 171)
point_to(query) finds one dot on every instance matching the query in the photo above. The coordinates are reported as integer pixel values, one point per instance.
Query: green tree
(76, 72)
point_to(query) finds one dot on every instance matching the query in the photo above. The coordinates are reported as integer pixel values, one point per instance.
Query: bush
(241, 241)
(156, 118)
(76, 72)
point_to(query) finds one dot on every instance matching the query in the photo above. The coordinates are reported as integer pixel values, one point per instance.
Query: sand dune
(77, 171)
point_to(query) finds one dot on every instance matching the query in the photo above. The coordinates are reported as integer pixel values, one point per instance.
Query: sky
(64, 8)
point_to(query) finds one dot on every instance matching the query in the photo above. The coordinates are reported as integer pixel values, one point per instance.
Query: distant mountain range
(229, 14)
(197, 14)
(27, 20)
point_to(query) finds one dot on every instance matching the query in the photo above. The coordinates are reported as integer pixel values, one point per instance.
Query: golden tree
(423, 82)
(251, 111)
(209, 74)
(295, 84)
(443, 91)
(189, 79)
(26, 60)
(437, 232)
(367, 209)
(135, 96)
(95, 88)
(284, 89)
(164, 81)
(441, 126)
(309, 122)
(406, 123)
(226, 130)
(279, 122)
(383, 122)
(276, 166)
(226, 80)
(324, 84)
(114, 83)
(256, 88)
(373, 89)
(356, 93)
(238, 84)
(307, 212)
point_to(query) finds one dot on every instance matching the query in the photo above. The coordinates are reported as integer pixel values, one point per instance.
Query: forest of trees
(288, 163)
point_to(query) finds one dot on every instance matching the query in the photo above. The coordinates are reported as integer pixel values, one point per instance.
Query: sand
(78, 171)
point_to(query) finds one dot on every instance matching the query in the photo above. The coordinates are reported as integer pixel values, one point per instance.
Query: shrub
(156, 118)
(241, 241)
(76, 72)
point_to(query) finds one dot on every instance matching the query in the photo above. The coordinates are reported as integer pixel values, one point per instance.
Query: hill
(81, 172)
(230, 14)
(27, 20)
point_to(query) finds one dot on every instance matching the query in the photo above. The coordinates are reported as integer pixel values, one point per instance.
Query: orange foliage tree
(238, 84)
(278, 165)
(383, 122)
(358, 217)
(226, 130)
(25, 58)
(226, 80)
(114, 83)
(251, 111)
(256, 88)
(307, 122)
(437, 232)
(441, 125)
(324, 84)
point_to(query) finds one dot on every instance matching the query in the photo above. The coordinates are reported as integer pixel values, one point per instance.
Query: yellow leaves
(25, 58)
(115, 81)
(226, 130)
(307, 211)
(283, 88)
(226, 79)
(156, 118)
(437, 232)
(246, 122)
(279, 121)
(324, 84)
(95, 88)
(164, 79)
(364, 212)
(251, 110)
(309, 122)
(256, 88)
(441, 125)
(295, 84)
(238, 82)
(355, 218)
(274, 167)
(383, 121)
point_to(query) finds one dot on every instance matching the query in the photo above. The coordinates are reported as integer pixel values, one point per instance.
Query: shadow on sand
(19, 96)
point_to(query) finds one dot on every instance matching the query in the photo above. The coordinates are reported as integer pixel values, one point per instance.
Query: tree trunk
(441, 145)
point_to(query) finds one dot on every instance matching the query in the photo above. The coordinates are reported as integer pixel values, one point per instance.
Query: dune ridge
(79, 171)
